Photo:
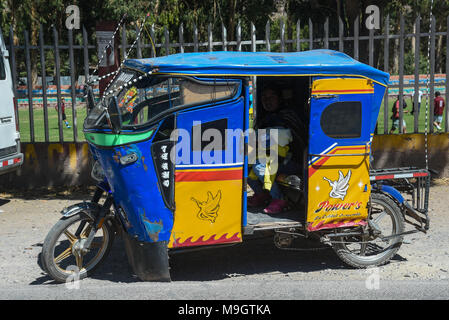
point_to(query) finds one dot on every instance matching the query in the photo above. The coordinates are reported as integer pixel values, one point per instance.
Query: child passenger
(290, 129)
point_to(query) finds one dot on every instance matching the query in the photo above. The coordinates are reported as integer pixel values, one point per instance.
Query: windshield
(143, 99)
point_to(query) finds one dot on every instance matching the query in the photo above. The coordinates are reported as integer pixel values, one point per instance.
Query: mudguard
(89, 208)
(390, 191)
(149, 260)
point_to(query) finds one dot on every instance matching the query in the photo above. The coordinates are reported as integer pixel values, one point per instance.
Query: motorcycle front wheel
(63, 254)
(379, 247)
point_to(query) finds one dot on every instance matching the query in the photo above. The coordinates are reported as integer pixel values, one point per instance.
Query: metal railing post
(44, 83)
(29, 85)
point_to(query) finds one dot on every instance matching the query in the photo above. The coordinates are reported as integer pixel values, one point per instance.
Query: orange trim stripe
(200, 241)
(314, 167)
(349, 90)
(210, 169)
(215, 175)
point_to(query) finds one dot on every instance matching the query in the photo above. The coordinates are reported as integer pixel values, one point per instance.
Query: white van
(10, 156)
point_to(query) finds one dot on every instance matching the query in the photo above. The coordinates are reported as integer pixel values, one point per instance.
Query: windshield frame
(100, 123)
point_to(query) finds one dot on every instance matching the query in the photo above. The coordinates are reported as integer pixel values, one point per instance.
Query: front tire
(370, 251)
(61, 257)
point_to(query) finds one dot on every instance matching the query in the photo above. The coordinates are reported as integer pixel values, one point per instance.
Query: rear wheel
(64, 253)
(377, 247)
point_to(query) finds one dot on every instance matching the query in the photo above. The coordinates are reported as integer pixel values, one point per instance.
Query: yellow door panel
(338, 190)
(207, 212)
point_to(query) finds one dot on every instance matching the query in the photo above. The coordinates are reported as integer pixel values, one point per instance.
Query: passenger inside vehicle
(286, 159)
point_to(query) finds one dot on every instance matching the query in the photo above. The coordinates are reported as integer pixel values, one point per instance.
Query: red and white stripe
(10, 162)
(399, 176)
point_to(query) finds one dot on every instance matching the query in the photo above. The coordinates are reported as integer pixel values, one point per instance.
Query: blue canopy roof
(313, 62)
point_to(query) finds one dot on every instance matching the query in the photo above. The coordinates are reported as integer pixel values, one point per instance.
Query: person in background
(438, 107)
(64, 117)
(395, 116)
(418, 107)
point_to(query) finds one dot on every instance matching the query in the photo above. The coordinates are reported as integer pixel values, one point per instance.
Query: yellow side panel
(338, 190)
(342, 86)
(207, 212)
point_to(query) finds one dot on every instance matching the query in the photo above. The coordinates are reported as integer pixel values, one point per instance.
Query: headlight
(97, 172)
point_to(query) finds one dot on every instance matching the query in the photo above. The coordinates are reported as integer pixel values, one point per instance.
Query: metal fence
(150, 46)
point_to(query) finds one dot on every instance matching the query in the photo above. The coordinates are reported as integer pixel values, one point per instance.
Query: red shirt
(438, 106)
(62, 107)
(395, 109)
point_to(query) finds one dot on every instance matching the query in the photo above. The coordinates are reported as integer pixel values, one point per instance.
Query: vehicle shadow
(256, 257)
(252, 257)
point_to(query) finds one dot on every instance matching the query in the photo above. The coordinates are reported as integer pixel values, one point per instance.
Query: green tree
(21, 15)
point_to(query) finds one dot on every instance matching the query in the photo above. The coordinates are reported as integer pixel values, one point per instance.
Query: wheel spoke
(72, 238)
(86, 231)
(64, 255)
(379, 217)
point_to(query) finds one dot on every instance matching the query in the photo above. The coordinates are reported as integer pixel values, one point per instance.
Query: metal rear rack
(413, 184)
(397, 173)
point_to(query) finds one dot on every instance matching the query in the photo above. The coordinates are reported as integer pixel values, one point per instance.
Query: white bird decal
(340, 186)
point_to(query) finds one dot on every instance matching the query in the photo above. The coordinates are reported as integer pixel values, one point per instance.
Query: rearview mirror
(114, 114)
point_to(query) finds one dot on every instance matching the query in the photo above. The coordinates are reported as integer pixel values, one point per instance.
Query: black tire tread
(348, 258)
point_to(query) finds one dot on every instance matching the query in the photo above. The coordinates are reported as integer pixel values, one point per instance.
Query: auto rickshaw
(172, 151)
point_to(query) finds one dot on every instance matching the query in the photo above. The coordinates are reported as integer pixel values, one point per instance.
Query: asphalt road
(253, 270)
(234, 290)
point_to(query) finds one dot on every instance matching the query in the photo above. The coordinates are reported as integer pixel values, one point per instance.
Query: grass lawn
(409, 118)
(53, 128)
(39, 132)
